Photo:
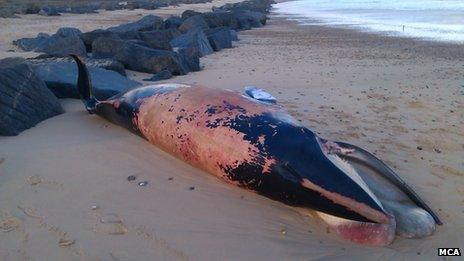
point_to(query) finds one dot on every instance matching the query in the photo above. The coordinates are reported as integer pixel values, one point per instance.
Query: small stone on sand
(34, 180)
(64, 242)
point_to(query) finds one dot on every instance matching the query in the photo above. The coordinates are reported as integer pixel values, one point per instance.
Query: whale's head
(313, 173)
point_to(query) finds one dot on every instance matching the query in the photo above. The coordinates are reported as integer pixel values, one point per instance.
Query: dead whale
(254, 144)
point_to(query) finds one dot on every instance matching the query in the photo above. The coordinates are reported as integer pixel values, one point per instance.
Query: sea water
(441, 20)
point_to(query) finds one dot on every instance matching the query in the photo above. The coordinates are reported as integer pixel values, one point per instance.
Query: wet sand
(64, 193)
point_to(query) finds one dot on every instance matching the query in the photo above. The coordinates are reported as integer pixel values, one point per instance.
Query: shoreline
(456, 50)
(391, 96)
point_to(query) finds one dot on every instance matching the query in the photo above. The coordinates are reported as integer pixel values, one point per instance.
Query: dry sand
(400, 98)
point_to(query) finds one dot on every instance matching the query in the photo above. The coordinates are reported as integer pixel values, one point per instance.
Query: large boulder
(91, 36)
(149, 22)
(162, 75)
(30, 44)
(213, 19)
(219, 38)
(233, 35)
(226, 19)
(107, 63)
(190, 57)
(248, 19)
(68, 31)
(193, 22)
(49, 11)
(63, 46)
(60, 76)
(53, 45)
(262, 6)
(194, 39)
(189, 13)
(159, 39)
(84, 9)
(25, 100)
(172, 22)
(139, 58)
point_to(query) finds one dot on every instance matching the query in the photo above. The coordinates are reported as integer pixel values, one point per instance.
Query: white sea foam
(441, 20)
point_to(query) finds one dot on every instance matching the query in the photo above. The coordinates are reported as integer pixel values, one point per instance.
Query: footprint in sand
(110, 224)
(8, 222)
(447, 170)
(35, 180)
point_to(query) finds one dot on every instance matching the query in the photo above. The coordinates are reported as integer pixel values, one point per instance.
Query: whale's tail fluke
(84, 85)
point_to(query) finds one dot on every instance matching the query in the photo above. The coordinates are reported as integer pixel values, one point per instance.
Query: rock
(159, 39)
(68, 31)
(139, 58)
(130, 35)
(227, 19)
(219, 38)
(53, 45)
(108, 64)
(189, 13)
(190, 58)
(195, 21)
(25, 100)
(149, 22)
(31, 9)
(8, 13)
(249, 19)
(49, 11)
(194, 39)
(63, 46)
(213, 19)
(84, 9)
(262, 6)
(257, 19)
(11, 61)
(29, 44)
(233, 35)
(172, 22)
(60, 77)
(91, 36)
(162, 75)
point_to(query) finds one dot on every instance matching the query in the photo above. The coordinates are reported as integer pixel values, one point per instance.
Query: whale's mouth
(408, 215)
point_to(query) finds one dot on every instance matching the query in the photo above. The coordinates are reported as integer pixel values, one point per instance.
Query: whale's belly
(199, 127)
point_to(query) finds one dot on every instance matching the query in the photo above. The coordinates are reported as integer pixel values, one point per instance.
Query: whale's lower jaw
(373, 234)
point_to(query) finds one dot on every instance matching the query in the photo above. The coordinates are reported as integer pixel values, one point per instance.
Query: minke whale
(254, 144)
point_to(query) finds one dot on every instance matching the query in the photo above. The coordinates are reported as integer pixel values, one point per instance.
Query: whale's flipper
(84, 85)
(413, 216)
(259, 95)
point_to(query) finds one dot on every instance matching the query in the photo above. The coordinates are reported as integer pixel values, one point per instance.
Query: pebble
(170, 178)
(110, 218)
(143, 183)
(419, 147)
(66, 242)
(437, 150)
(94, 207)
(34, 180)
(192, 188)
(131, 178)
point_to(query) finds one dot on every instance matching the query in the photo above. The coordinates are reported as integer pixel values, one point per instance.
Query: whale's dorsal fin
(259, 95)
(84, 85)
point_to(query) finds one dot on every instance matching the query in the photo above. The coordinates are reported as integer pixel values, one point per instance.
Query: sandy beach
(64, 192)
